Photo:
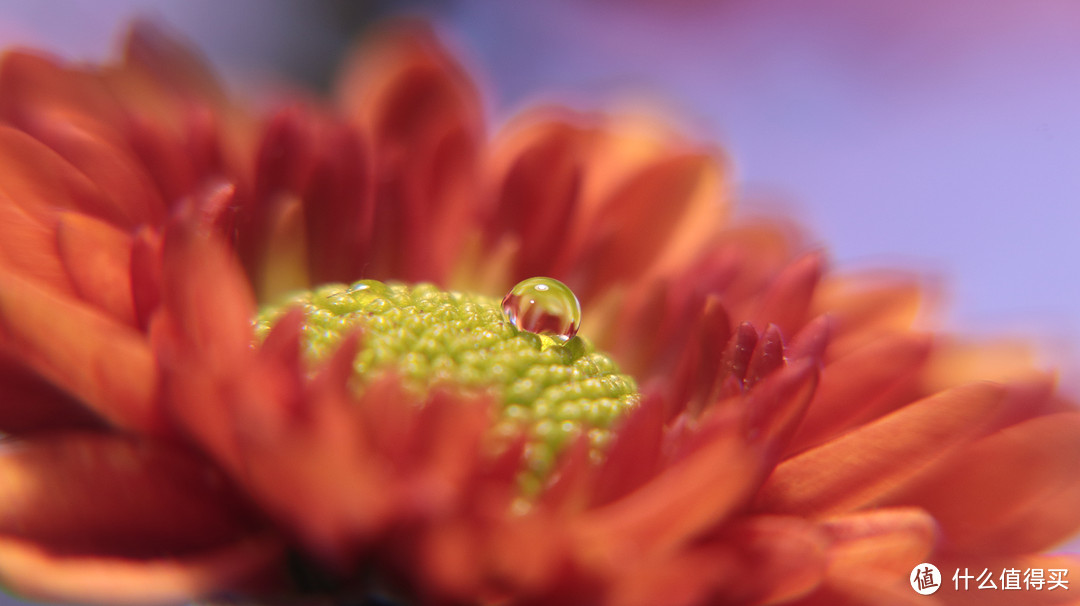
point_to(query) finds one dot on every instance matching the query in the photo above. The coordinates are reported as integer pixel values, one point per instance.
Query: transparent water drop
(544, 306)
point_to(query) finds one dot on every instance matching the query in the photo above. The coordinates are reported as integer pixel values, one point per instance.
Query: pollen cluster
(552, 391)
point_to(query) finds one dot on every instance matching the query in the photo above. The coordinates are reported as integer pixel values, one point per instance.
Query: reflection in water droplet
(544, 306)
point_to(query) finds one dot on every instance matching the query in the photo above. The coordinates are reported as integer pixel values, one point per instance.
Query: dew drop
(544, 306)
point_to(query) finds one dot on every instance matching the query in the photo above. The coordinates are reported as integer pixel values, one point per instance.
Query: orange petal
(97, 257)
(39, 574)
(28, 246)
(33, 83)
(112, 167)
(862, 385)
(672, 200)
(858, 468)
(1014, 491)
(207, 298)
(691, 496)
(38, 180)
(105, 364)
(865, 307)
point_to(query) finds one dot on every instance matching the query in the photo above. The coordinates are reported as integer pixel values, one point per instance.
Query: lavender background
(941, 135)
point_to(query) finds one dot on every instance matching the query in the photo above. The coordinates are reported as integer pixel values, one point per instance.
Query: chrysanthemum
(261, 358)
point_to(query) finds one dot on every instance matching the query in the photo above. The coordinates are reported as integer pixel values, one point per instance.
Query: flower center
(552, 389)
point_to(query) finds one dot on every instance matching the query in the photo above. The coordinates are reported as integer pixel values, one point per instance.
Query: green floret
(554, 391)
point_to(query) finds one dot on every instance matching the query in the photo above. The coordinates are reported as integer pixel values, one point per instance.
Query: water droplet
(544, 306)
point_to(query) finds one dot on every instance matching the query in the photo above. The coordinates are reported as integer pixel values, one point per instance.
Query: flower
(797, 438)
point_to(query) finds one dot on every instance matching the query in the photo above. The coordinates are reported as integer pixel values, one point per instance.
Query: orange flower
(798, 440)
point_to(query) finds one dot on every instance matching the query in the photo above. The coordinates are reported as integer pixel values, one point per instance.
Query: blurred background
(939, 135)
(942, 135)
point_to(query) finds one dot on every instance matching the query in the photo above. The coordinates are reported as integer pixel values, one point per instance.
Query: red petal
(771, 560)
(423, 115)
(146, 268)
(538, 192)
(108, 496)
(634, 457)
(33, 404)
(768, 355)
(775, 407)
(105, 364)
(787, 301)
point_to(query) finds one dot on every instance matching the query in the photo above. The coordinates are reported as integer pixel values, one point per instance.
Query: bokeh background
(937, 135)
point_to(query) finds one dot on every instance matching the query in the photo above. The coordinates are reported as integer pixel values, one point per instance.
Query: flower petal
(39, 180)
(36, 573)
(864, 307)
(770, 560)
(891, 540)
(105, 364)
(858, 468)
(28, 246)
(1014, 491)
(689, 497)
(633, 231)
(98, 259)
(32, 404)
(860, 386)
(423, 115)
(92, 494)
(786, 303)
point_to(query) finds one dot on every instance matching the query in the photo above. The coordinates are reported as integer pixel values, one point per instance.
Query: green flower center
(552, 390)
